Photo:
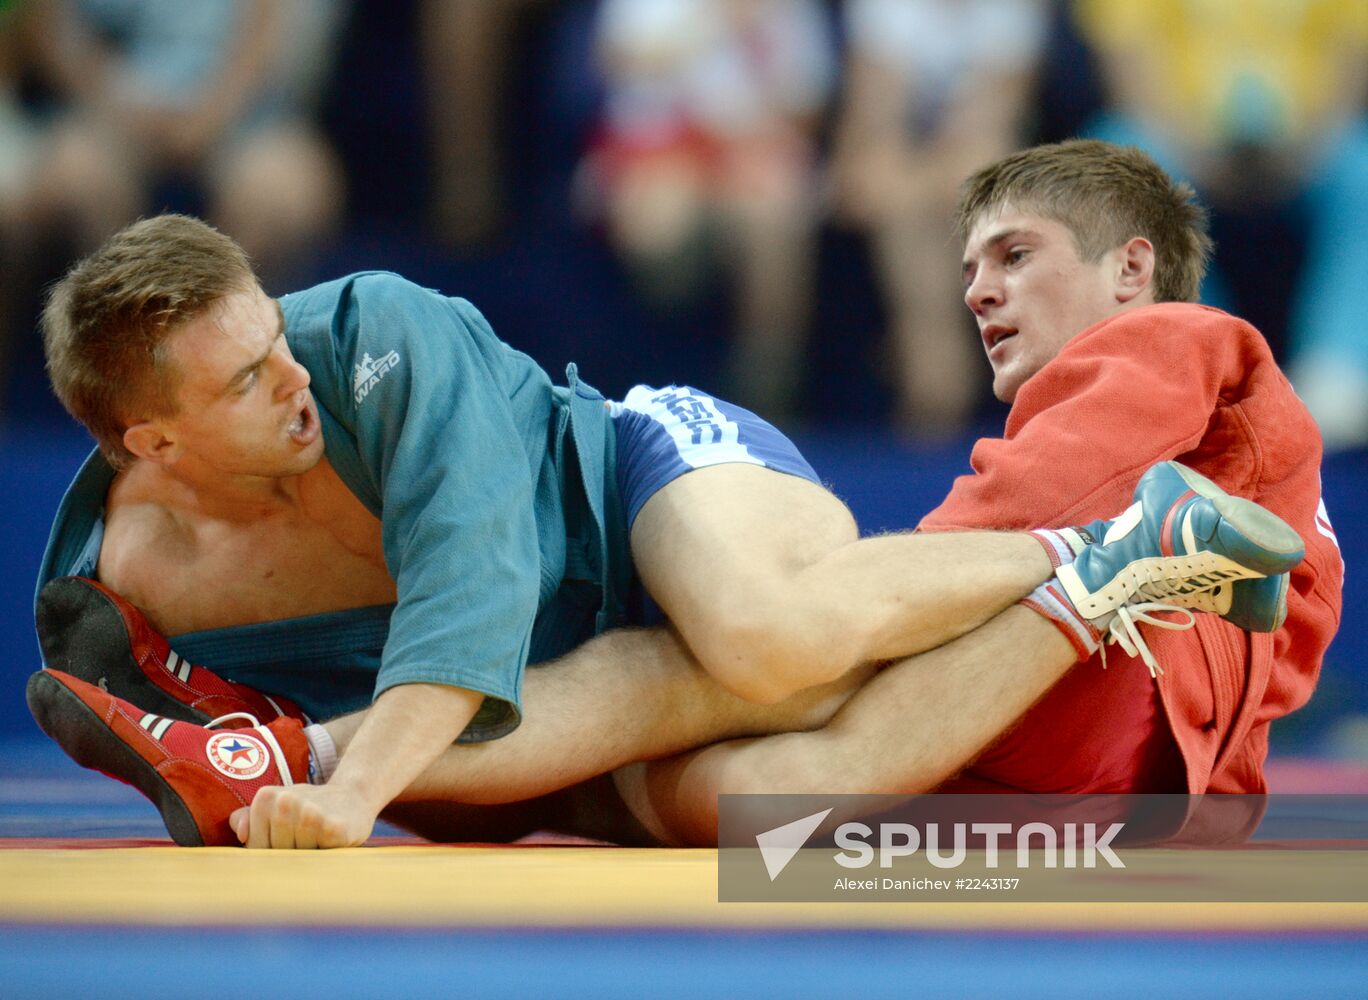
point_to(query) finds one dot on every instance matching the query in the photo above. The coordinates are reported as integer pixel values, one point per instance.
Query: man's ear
(147, 440)
(1134, 269)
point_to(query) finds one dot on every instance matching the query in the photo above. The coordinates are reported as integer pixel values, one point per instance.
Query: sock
(1062, 545)
(322, 754)
(1049, 601)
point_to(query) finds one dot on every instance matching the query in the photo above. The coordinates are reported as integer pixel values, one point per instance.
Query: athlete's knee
(765, 649)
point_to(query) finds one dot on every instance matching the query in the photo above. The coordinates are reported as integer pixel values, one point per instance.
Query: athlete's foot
(196, 776)
(90, 632)
(1253, 605)
(1183, 536)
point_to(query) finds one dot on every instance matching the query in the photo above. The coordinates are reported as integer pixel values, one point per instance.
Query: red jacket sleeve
(1143, 387)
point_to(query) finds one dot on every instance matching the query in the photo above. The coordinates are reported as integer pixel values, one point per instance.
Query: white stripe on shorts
(702, 435)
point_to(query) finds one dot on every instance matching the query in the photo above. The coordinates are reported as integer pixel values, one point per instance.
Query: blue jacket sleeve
(450, 425)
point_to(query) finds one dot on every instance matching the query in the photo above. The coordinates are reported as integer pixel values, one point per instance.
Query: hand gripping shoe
(1185, 536)
(196, 776)
(90, 632)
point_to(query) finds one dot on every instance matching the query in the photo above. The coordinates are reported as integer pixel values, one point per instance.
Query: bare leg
(913, 726)
(939, 369)
(280, 194)
(91, 179)
(467, 47)
(632, 694)
(763, 576)
(772, 231)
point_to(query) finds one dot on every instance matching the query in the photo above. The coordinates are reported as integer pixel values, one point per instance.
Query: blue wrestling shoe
(1253, 605)
(1187, 543)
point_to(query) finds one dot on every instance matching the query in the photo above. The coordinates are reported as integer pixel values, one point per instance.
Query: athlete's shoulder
(366, 285)
(341, 293)
(143, 546)
(1174, 328)
(1173, 319)
(367, 298)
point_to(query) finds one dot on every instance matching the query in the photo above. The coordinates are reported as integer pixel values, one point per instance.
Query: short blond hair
(1105, 194)
(106, 322)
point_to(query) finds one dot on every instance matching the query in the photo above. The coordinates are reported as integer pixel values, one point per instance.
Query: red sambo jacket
(1171, 381)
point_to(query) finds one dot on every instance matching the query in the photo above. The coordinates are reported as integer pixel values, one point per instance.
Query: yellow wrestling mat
(570, 887)
(94, 901)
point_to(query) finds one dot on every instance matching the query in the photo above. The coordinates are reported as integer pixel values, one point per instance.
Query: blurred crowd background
(748, 195)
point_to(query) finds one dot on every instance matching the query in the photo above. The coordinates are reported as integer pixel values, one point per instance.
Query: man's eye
(1015, 256)
(248, 383)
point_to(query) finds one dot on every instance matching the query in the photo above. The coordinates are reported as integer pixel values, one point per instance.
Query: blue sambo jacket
(496, 491)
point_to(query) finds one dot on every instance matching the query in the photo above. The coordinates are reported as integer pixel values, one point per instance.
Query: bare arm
(407, 728)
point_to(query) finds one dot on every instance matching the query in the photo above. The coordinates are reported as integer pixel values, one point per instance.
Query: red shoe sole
(89, 741)
(82, 633)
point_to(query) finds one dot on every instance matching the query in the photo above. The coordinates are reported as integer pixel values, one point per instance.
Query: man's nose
(293, 376)
(983, 291)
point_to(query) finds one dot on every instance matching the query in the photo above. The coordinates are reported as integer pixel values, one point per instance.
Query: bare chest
(187, 575)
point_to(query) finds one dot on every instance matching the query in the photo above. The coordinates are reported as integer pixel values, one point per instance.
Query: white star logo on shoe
(237, 755)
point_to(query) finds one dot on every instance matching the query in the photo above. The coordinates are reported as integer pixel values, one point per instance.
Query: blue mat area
(44, 794)
(112, 962)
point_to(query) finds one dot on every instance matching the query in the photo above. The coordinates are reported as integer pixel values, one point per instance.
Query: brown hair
(1105, 194)
(106, 322)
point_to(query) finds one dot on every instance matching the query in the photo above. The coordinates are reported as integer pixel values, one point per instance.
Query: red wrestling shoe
(90, 632)
(195, 776)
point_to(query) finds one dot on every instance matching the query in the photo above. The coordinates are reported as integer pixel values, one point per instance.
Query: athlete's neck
(210, 493)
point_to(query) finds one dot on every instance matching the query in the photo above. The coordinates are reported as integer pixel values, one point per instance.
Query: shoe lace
(1166, 589)
(282, 766)
(1125, 632)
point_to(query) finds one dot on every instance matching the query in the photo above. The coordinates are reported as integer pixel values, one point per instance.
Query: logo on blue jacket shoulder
(368, 373)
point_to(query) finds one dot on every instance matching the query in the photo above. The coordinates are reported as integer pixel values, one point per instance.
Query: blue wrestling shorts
(664, 433)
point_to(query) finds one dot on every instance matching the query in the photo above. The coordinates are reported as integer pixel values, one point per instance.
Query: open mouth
(995, 334)
(303, 429)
